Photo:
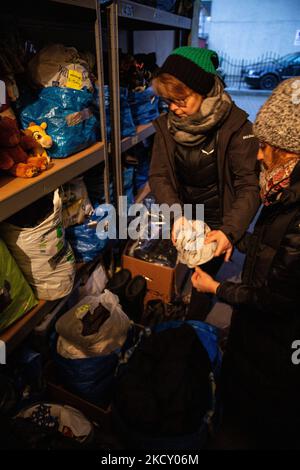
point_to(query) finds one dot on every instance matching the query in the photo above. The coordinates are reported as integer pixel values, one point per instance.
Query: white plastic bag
(43, 255)
(58, 65)
(95, 284)
(76, 203)
(111, 335)
(190, 237)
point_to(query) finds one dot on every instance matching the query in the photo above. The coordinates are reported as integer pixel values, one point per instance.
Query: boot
(118, 283)
(134, 298)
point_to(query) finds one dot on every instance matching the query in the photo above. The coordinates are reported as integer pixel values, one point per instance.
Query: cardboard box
(160, 279)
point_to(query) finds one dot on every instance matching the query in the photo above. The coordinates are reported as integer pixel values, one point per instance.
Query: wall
(249, 28)
(161, 42)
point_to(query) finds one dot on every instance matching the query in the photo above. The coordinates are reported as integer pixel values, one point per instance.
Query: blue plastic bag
(143, 105)
(167, 5)
(91, 377)
(126, 121)
(84, 240)
(208, 335)
(68, 114)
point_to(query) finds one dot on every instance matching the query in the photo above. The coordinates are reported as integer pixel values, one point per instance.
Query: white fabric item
(43, 255)
(190, 236)
(112, 333)
(67, 416)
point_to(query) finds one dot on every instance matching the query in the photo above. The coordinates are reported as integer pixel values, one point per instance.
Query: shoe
(134, 298)
(118, 283)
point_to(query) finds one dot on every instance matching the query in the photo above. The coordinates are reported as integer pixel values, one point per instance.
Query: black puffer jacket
(237, 171)
(258, 370)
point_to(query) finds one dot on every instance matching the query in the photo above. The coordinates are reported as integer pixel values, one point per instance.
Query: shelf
(138, 12)
(142, 132)
(17, 193)
(91, 4)
(20, 329)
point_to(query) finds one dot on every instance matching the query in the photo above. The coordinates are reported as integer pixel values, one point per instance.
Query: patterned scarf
(193, 130)
(272, 183)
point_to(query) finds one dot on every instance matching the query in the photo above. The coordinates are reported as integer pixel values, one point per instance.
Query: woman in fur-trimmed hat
(261, 375)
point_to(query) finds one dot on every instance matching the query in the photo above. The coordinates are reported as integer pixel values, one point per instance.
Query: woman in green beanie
(261, 367)
(204, 152)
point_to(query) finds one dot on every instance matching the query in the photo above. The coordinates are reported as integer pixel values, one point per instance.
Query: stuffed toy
(18, 151)
(44, 140)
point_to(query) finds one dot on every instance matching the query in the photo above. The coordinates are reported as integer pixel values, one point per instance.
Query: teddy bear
(19, 153)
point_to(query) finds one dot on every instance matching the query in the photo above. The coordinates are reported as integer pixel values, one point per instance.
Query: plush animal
(17, 150)
(43, 139)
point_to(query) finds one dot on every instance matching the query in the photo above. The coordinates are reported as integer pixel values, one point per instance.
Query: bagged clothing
(43, 255)
(143, 105)
(52, 418)
(126, 120)
(95, 284)
(69, 117)
(16, 296)
(76, 203)
(60, 66)
(89, 377)
(165, 389)
(84, 237)
(111, 335)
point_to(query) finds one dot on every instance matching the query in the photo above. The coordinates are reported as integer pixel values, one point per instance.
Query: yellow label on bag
(74, 80)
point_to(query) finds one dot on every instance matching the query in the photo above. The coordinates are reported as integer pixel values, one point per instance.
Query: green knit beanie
(194, 66)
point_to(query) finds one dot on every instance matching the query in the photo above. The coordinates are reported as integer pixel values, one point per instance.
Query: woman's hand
(224, 246)
(203, 282)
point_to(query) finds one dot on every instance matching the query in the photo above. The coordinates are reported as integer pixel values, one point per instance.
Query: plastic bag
(43, 254)
(76, 203)
(111, 335)
(143, 105)
(69, 117)
(16, 297)
(60, 66)
(84, 240)
(190, 243)
(154, 244)
(95, 284)
(62, 418)
(126, 120)
(167, 5)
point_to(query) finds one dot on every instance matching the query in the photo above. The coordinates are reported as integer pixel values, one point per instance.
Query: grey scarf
(193, 130)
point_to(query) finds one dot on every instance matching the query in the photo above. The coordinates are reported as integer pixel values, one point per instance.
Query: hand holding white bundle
(188, 238)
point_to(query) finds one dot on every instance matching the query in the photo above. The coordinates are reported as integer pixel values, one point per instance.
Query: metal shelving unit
(17, 193)
(131, 16)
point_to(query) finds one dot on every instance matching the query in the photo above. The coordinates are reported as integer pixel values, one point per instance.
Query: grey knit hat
(278, 120)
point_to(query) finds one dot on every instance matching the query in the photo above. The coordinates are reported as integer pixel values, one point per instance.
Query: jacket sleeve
(242, 153)
(280, 292)
(244, 243)
(159, 175)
